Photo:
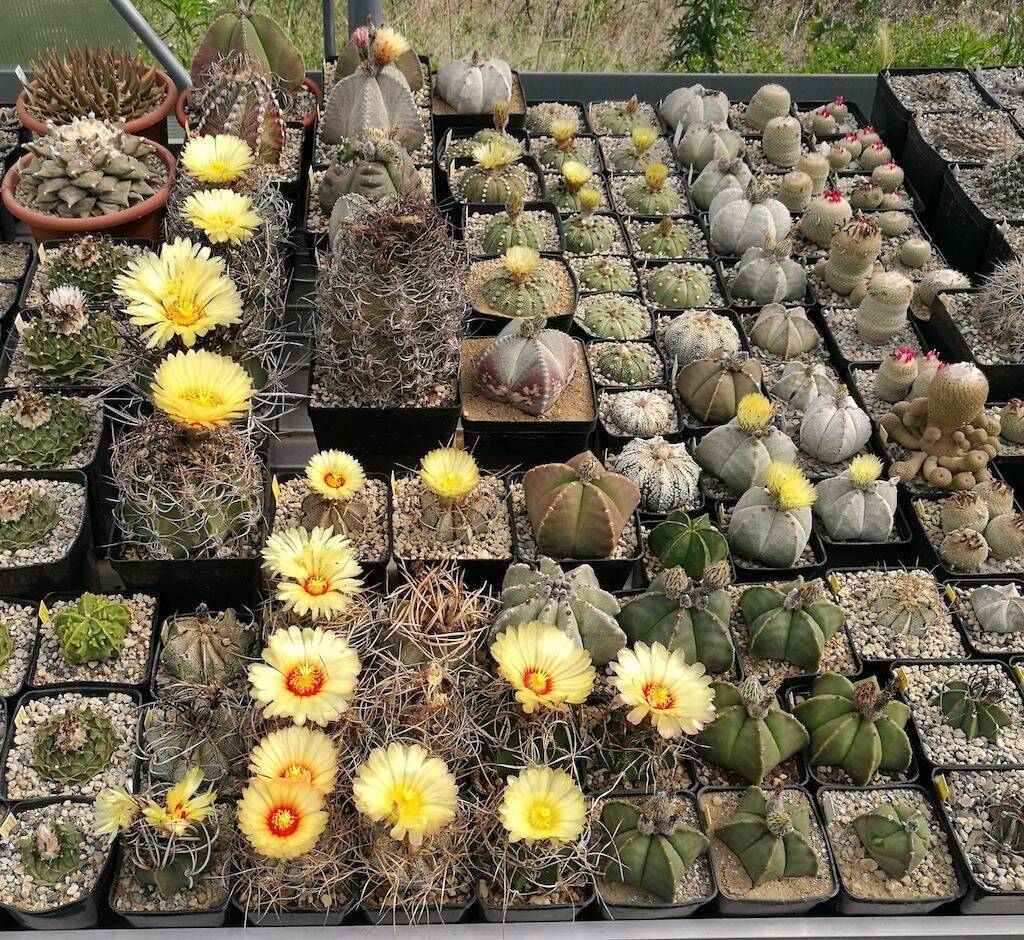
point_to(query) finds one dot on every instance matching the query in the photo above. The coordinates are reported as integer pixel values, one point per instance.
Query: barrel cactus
(667, 476)
(803, 382)
(795, 190)
(712, 388)
(625, 364)
(751, 734)
(606, 274)
(769, 275)
(691, 544)
(973, 707)
(834, 428)
(999, 608)
(371, 169)
(527, 366)
(784, 331)
(473, 84)
(587, 233)
(771, 524)
(1005, 536)
(74, 745)
(615, 318)
(696, 334)
(742, 219)
(680, 613)
(495, 175)
(664, 239)
(896, 836)
(738, 453)
(92, 629)
(206, 647)
(511, 228)
(706, 141)
(781, 140)
(856, 506)
(521, 286)
(39, 430)
(857, 727)
(566, 189)
(824, 216)
(678, 286)
(577, 509)
(651, 194)
(791, 623)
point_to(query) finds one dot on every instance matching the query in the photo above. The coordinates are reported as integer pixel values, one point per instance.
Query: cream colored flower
(335, 475)
(223, 158)
(201, 389)
(542, 804)
(222, 215)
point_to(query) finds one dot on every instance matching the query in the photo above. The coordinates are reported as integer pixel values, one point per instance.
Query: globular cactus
(68, 340)
(698, 333)
(694, 545)
(541, 117)
(1005, 536)
(625, 364)
(92, 629)
(784, 331)
(865, 195)
(896, 836)
(851, 257)
(649, 847)
(751, 735)
(873, 155)
(678, 286)
(771, 524)
(587, 233)
(738, 453)
(856, 506)
(928, 366)
(694, 104)
(906, 604)
(769, 101)
(834, 428)
(38, 430)
(803, 382)
(463, 147)
(667, 476)
(795, 190)
(685, 614)
(564, 145)
(896, 374)
(704, 142)
(52, 852)
(966, 509)
(511, 228)
(856, 727)
(606, 273)
(565, 190)
(791, 623)
(474, 84)
(888, 177)
(723, 172)
(625, 117)
(882, 313)
(664, 239)
(651, 195)
(615, 318)
(521, 286)
(640, 413)
(494, 177)
(823, 122)
(825, 215)
(893, 223)
(527, 366)
(572, 600)
(74, 745)
(838, 156)
(206, 648)
(915, 252)
(816, 166)
(636, 152)
(998, 496)
(712, 388)
(372, 169)
(745, 219)
(768, 275)
(1001, 304)
(973, 707)
(780, 142)
(27, 516)
(770, 839)
(999, 608)
(577, 509)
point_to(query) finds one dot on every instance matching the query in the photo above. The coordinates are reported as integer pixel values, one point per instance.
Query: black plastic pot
(77, 915)
(999, 249)
(846, 902)
(852, 107)
(447, 914)
(545, 207)
(143, 686)
(295, 916)
(609, 441)
(443, 122)
(898, 551)
(729, 906)
(960, 227)
(835, 350)
(482, 323)
(444, 190)
(383, 438)
(535, 913)
(926, 169)
(581, 116)
(1013, 656)
(76, 570)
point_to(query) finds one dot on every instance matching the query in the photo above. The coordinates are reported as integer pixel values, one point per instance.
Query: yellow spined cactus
(655, 175)
(643, 138)
(495, 154)
(789, 486)
(520, 261)
(865, 469)
(575, 175)
(754, 412)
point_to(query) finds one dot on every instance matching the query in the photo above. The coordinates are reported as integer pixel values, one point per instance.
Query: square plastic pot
(483, 323)
(447, 914)
(898, 551)
(535, 913)
(960, 227)
(295, 916)
(443, 121)
(926, 169)
(1013, 656)
(547, 208)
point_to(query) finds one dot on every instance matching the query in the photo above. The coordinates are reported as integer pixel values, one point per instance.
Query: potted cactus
(18, 629)
(467, 88)
(488, 230)
(989, 612)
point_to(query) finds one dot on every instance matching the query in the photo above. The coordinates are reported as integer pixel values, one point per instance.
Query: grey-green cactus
(999, 608)
(896, 836)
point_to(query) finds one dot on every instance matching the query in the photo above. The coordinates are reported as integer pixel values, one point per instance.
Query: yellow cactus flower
(653, 682)
(305, 674)
(302, 755)
(655, 175)
(643, 138)
(201, 389)
(589, 200)
(408, 788)
(182, 805)
(179, 292)
(222, 215)
(544, 666)
(575, 175)
(563, 131)
(223, 158)
(280, 818)
(496, 154)
(541, 804)
(449, 473)
(115, 810)
(865, 469)
(335, 475)
(789, 486)
(754, 412)
(388, 45)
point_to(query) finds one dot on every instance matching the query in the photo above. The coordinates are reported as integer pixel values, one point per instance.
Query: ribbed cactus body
(703, 143)
(92, 629)
(852, 255)
(963, 549)
(896, 836)
(244, 104)
(615, 318)
(741, 220)
(826, 214)
(739, 457)
(696, 334)
(833, 429)
(768, 275)
(972, 706)
(664, 239)
(379, 168)
(791, 623)
(533, 295)
(641, 413)
(999, 608)
(802, 382)
(721, 173)
(372, 99)
(693, 545)
(694, 104)
(587, 234)
(762, 531)
(510, 229)
(606, 274)
(712, 388)
(624, 365)
(853, 512)
(643, 199)
(665, 473)
(677, 286)
(784, 331)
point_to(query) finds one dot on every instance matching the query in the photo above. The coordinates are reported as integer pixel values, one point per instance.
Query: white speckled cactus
(851, 258)
(784, 331)
(741, 219)
(780, 141)
(856, 506)
(834, 428)
(769, 275)
(696, 334)
(826, 214)
(694, 104)
(769, 101)
(723, 172)
(667, 476)
(795, 190)
(999, 608)
(772, 523)
(882, 313)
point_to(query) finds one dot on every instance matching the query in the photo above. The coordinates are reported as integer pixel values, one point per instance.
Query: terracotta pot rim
(94, 223)
(136, 126)
(307, 121)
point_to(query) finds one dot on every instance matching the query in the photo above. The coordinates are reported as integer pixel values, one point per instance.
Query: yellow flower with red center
(182, 805)
(408, 788)
(541, 804)
(281, 818)
(306, 674)
(656, 683)
(544, 666)
(301, 755)
(335, 475)
(201, 389)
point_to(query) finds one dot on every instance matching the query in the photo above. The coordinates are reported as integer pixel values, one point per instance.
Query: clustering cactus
(521, 286)
(858, 727)
(495, 176)
(1000, 185)
(742, 219)
(27, 517)
(587, 233)
(791, 623)
(649, 847)
(206, 648)
(87, 169)
(852, 254)
(73, 746)
(770, 839)
(697, 334)
(651, 194)
(52, 852)
(856, 506)
(511, 228)
(784, 331)
(706, 141)
(577, 509)
(712, 388)
(38, 430)
(615, 318)
(972, 705)
(834, 428)
(825, 215)
(691, 615)
(92, 629)
(112, 84)
(664, 239)
(802, 383)
(369, 169)
(678, 286)
(882, 312)
(667, 476)
(739, 452)
(999, 608)
(67, 340)
(691, 544)
(751, 735)
(527, 366)
(768, 274)
(771, 524)
(571, 600)
(896, 836)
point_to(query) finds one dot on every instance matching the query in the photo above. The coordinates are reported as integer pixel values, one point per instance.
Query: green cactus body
(31, 526)
(648, 847)
(51, 853)
(856, 727)
(606, 274)
(681, 614)
(678, 286)
(894, 835)
(770, 841)
(624, 365)
(712, 388)
(643, 199)
(791, 624)
(491, 185)
(89, 262)
(1007, 818)
(664, 239)
(42, 431)
(521, 296)
(74, 746)
(553, 154)
(973, 707)
(206, 648)
(615, 318)
(6, 644)
(751, 735)
(503, 232)
(180, 869)
(573, 601)
(92, 629)
(690, 544)
(347, 516)
(53, 354)
(587, 234)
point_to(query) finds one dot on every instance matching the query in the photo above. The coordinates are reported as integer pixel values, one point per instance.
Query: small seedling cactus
(678, 286)
(92, 629)
(510, 228)
(636, 153)
(449, 477)
(622, 364)
(521, 286)
(73, 746)
(907, 603)
(691, 544)
(896, 836)
(566, 190)
(615, 318)
(625, 117)
(664, 239)
(495, 175)
(587, 233)
(51, 853)
(563, 146)
(972, 705)
(606, 273)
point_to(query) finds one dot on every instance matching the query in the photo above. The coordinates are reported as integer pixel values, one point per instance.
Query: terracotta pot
(307, 121)
(139, 221)
(152, 126)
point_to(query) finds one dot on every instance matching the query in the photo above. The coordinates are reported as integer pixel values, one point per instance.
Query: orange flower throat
(305, 680)
(538, 681)
(658, 696)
